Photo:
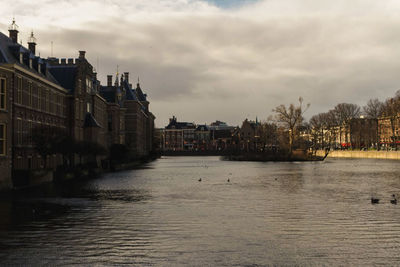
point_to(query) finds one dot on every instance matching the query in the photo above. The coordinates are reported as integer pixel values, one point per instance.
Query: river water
(303, 214)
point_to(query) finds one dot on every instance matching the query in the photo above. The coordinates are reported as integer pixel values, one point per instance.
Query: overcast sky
(228, 60)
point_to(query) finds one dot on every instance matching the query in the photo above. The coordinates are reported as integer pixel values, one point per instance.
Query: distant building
(187, 136)
(202, 138)
(179, 136)
(221, 135)
(249, 135)
(389, 131)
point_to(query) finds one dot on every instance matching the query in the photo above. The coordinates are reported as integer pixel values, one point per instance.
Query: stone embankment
(361, 154)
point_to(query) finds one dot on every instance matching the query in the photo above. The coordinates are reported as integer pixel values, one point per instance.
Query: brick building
(179, 136)
(87, 109)
(389, 131)
(30, 97)
(136, 129)
(62, 96)
(249, 135)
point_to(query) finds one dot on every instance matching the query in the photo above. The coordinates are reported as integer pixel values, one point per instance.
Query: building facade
(135, 126)
(179, 136)
(389, 131)
(61, 98)
(30, 98)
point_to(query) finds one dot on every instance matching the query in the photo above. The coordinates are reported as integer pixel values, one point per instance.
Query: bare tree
(343, 113)
(291, 117)
(318, 124)
(346, 111)
(373, 109)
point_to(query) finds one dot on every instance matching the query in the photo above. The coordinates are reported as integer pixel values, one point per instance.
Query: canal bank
(393, 155)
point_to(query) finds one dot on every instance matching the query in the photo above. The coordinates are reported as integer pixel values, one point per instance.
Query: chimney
(13, 30)
(32, 43)
(70, 61)
(109, 80)
(82, 54)
(126, 75)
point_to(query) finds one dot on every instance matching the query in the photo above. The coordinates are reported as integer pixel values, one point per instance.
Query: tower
(13, 30)
(32, 43)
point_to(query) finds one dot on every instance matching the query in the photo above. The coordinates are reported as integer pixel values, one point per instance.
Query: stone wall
(361, 154)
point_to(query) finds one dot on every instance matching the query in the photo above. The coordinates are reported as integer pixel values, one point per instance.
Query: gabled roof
(129, 93)
(139, 93)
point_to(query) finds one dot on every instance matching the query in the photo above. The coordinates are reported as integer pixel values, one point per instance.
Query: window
(39, 96)
(3, 99)
(18, 132)
(47, 100)
(2, 139)
(19, 91)
(88, 85)
(30, 94)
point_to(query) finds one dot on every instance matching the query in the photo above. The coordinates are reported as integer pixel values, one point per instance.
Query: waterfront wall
(361, 154)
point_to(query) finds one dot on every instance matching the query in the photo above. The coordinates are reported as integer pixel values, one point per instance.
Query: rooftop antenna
(117, 70)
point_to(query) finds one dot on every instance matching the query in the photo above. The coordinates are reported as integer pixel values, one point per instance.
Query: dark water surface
(312, 213)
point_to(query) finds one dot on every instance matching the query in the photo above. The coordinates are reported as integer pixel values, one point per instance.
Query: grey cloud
(228, 66)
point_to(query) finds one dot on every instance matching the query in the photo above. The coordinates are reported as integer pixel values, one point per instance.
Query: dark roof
(202, 127)
(65, 75)
(9, 53)
(90, 121)
(174, 124)
(108, 93)
(139, 93)
(129, 93)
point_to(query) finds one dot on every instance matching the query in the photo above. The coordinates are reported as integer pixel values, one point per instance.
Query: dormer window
(21, 58)
(40, 68)
(30, 63)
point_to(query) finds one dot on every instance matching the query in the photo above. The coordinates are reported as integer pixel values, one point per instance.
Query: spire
(116, 80)
(116, 77)
(13, 26)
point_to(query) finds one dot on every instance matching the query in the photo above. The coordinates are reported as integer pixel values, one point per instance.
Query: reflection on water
(312, 213)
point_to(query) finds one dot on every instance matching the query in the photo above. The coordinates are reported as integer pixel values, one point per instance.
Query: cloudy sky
(226, 59)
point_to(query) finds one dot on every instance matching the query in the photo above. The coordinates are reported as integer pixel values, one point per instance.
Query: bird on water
(200, 180)
(374, 200)
(394, 200)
